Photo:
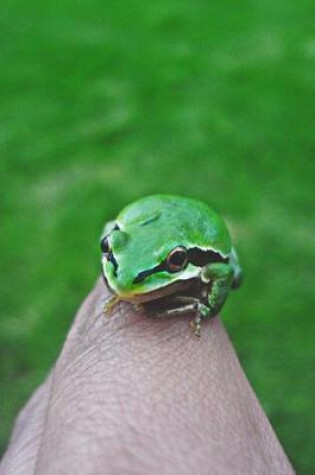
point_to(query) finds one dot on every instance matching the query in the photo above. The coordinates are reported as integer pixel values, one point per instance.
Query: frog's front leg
(220, 275)
(110, 303)
(186, 305)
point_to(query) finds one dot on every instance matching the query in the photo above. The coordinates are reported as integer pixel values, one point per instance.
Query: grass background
(104, 102)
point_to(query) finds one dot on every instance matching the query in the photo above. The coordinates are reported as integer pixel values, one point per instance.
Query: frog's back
(181, 220)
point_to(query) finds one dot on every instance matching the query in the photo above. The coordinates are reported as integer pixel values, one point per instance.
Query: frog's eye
(176, 260)
(105, 245)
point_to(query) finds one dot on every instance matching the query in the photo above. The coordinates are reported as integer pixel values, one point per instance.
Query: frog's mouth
(156, 294)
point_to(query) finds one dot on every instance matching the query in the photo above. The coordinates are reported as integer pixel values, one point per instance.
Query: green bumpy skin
(136, 262)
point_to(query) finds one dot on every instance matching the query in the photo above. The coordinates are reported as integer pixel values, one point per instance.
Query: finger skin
(136, 395)
(21, 455)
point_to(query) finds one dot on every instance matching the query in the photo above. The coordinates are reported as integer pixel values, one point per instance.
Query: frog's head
(140, 265)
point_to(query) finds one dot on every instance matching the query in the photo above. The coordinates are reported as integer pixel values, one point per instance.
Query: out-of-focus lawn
(103, 102)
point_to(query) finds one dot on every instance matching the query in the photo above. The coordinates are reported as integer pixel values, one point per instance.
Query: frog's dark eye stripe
(144, 274)
(195, 256)
(174, 262)
(111, 258)
(109, 253)
(198, 257)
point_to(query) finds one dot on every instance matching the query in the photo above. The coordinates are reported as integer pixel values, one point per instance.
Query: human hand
(136, 395)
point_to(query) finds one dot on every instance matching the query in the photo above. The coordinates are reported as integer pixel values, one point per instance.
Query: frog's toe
(195, 325)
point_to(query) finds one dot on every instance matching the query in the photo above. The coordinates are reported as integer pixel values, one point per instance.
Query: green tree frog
(173, 251)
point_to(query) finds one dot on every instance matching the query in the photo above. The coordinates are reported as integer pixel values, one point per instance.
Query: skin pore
(131, 394)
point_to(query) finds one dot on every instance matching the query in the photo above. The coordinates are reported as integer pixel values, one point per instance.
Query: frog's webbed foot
(110, 304)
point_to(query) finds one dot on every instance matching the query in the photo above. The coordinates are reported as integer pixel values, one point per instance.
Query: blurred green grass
(104, 103)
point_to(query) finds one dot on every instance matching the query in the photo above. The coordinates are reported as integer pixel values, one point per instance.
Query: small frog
(173, 251)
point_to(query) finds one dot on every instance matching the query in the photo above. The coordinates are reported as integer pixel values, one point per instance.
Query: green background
(104, 102)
